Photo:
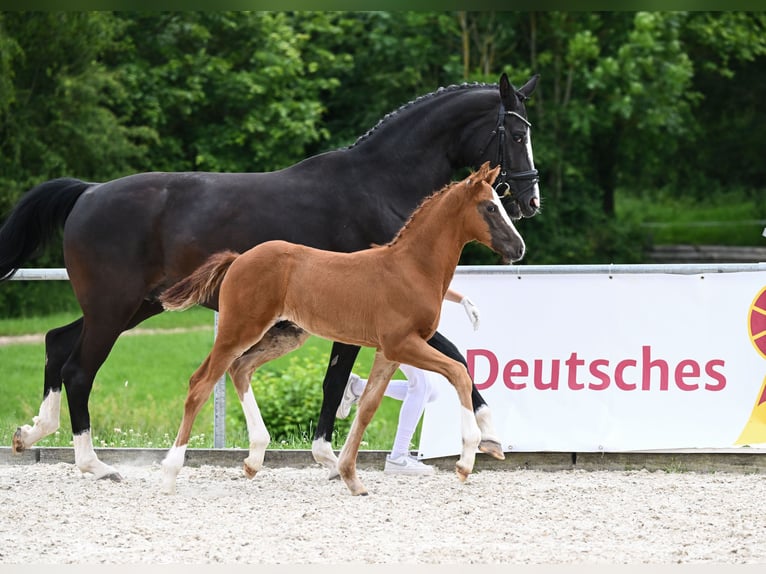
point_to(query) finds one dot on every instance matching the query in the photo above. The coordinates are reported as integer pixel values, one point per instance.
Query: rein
(506, 181)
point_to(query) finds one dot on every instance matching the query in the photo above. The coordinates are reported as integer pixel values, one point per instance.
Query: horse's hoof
(249, 472)
(18, 445)
(113, 476)
(461, 473)
(492, 448)
(333, 474)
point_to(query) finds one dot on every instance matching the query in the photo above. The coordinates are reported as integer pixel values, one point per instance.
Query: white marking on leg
(45, 423)
(257, 432)
(484, 420)
(86, 460)
(471, 439)
(324, 455)
(171, 466)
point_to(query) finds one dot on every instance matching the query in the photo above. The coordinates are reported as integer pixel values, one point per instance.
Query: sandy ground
(50, 513)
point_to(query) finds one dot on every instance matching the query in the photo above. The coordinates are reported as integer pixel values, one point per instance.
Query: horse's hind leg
(490, 441)
(96, 340)
(279, 340)
(339, 368)
(59, 343)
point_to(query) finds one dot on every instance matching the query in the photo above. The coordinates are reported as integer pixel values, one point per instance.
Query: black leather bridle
(517, 186)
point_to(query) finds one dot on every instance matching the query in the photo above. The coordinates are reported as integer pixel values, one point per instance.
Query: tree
(54, 108)
(227, 91)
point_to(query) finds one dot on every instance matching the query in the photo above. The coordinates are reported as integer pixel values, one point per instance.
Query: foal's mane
(419, 100)
(424, 206)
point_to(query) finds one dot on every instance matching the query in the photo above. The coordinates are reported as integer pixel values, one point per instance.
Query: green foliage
(627, 101)
(226, 91)
(728, 216)
(290, 397)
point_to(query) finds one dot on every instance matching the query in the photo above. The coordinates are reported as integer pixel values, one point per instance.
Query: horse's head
(489, 222)
(517, 181)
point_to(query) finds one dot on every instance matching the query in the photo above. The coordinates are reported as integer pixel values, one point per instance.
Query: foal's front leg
(415, 351)
(380, 375)
(490, 441)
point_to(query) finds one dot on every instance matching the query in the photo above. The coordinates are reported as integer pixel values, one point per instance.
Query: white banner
(593, 362)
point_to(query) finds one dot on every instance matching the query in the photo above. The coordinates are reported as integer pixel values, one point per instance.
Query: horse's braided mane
(418, 100)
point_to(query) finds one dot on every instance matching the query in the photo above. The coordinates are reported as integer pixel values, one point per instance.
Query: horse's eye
(518, 137)
(492, 208)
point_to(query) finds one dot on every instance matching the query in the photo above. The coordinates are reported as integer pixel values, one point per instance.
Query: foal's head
(488, 222)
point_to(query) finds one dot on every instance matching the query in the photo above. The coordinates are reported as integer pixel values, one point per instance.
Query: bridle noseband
(506, 181)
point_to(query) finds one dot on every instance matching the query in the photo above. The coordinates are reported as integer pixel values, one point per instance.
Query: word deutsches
(643, 373)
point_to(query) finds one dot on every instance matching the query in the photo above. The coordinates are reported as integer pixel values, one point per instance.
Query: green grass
(731, 217)
(137, 398)
(197, 316)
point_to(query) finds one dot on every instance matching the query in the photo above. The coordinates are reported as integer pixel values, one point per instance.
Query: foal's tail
(200, 285)
(32, 223)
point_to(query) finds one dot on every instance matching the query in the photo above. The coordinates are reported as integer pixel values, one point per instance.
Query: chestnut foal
(388, 297)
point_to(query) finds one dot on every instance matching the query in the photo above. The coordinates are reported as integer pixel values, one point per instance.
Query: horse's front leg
(339, 368)
(279, 340)
(380, 374)
(490, 440)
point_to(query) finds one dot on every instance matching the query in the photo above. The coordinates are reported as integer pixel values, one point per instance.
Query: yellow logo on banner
(755, 429)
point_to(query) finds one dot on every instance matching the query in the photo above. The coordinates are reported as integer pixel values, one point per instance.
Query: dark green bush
(290, 399)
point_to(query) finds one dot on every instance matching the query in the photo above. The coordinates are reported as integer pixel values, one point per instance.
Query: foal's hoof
(113, 476)
(492, 448)
(249, 471)
(18, 445)
(462, 473)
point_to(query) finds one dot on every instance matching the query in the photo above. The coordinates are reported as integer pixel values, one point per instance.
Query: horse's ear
(525, 91)
(506, 90)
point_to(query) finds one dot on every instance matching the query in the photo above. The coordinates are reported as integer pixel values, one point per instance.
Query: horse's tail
(200, 285)
(37, 215)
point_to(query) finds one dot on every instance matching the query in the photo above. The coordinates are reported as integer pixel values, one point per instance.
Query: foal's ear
(492, 175)
(484, 173)
(483, 170)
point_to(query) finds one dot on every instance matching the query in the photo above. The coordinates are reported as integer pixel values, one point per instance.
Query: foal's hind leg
(59, 343)
(490, 441)
(279, 340)
(232, 341)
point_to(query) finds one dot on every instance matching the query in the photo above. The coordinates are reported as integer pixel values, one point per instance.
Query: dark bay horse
(387, 297)
(127, 240)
